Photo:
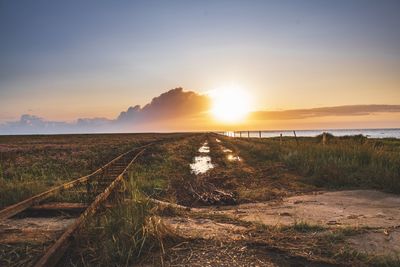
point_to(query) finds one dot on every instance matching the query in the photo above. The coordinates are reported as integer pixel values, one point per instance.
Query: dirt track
(374, 216)
(357, 208)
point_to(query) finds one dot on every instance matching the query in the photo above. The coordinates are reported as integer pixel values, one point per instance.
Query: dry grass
(32, 164)
(347, 162)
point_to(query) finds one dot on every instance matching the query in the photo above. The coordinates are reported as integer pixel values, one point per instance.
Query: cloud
(175, 105)
(350, 110)
(180, 110)
(30, 124)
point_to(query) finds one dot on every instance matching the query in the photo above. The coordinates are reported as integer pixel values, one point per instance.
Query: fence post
(295, 136)
(260, 134)
(248, 134)
(280, 139)
(323, 138)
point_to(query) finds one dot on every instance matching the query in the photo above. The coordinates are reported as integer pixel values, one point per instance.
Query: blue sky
(69, 59)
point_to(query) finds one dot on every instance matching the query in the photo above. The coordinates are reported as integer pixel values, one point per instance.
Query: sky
(65, 60)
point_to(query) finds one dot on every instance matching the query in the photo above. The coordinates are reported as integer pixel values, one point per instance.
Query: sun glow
(230, 104)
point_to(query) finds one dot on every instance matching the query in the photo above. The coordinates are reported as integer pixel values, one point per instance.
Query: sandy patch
(382, 242)
(203, 228)
(32, 229)
(344, 208)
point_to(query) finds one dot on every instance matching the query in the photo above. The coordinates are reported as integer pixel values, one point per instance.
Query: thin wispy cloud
(349, 110)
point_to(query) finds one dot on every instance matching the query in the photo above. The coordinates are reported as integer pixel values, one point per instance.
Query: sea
(370, 133)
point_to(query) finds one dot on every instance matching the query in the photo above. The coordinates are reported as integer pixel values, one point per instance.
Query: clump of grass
(122, 234)
(13, 192)
(384, 261)
(305, 227)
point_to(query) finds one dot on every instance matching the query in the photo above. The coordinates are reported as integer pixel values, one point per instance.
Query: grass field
(269, 170)
(344, 162)
(31, 164)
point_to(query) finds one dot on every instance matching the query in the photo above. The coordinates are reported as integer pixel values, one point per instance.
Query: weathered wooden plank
(60, 206)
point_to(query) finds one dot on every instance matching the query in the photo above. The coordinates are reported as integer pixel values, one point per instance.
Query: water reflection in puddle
(230, 157)
(204, 148)
(201, 164)
(217, 140)
(233, 158)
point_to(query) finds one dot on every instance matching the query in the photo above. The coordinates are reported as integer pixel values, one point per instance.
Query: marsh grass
(120, 235)
(164, 170)
(348, 162)
(132, 230)
(302, 226)
(31, 164)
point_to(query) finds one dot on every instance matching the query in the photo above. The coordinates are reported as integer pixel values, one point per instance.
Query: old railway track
(54, 216)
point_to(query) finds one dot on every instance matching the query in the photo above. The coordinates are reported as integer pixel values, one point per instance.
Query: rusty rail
(23, 205)
(57, 250)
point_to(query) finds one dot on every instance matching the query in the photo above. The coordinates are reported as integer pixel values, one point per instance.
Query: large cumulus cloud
(173, 104)
(172, 107)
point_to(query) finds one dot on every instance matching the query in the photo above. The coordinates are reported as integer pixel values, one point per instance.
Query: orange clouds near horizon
(180, 110)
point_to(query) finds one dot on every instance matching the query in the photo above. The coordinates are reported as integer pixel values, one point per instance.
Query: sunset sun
(230, 104)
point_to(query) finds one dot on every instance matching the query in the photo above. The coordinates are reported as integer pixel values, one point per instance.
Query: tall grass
(121, 235)
(125, 234)
(31, 164)
(351, 162)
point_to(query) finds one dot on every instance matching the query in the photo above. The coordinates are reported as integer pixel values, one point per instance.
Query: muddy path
(276, 220)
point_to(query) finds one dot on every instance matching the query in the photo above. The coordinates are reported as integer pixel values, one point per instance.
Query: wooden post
(240, 134)
(259, 133)
(323, 138)
(280, 139)
(248, 134)
(295, 136)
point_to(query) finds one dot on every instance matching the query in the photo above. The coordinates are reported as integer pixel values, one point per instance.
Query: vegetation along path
(210, 200)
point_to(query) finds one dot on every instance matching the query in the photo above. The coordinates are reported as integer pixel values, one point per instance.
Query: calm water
(371, 133)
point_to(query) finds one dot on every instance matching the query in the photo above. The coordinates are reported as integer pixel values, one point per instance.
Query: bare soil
(32, 230)
(355, 208)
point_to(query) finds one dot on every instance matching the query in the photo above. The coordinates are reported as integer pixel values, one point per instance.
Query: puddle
(233, 158)
(204, 148)
(217, 140)
(201, 164)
